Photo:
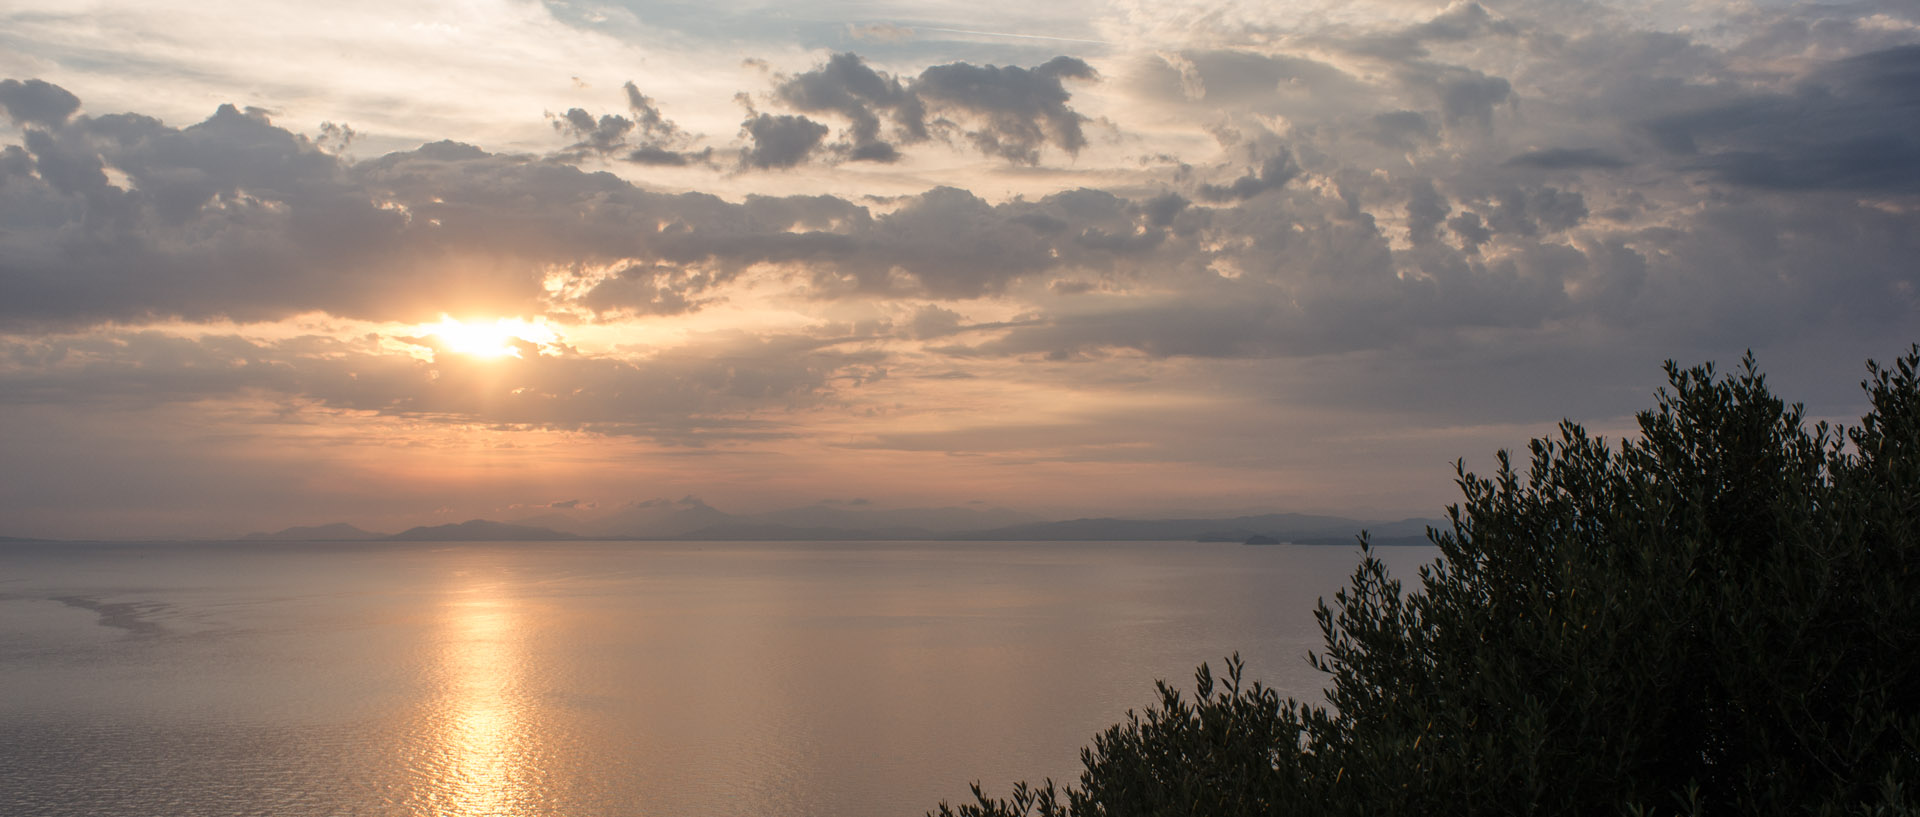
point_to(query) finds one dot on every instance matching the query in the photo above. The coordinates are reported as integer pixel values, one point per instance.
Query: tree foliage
(1719, 617)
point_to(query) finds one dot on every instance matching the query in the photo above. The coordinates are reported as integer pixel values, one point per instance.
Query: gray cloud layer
(235, 217)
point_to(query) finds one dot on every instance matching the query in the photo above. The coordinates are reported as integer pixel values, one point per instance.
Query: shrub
(1720, 616)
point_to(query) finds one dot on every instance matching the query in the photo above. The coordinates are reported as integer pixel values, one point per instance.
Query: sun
(502, 338)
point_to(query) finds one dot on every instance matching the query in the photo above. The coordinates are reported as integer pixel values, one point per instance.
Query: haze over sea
(608, 678)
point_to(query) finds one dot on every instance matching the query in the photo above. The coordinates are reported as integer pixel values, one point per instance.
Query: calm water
(608, 678)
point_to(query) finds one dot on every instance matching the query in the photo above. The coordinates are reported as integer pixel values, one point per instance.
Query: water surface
(608, 678)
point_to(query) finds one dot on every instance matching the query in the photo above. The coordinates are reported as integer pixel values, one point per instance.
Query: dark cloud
(1273, 174)
(37, 102)
(1469, 97)
(1851, 125)
(1461, 23)
(1403, 130)
(657, 130)
(780, 140)
(234, 217)
(1527, 211)
(1009, 111)
(1567, 159)
(1162, 209)
(1471, 232)
(1426, 210)
(662, 157)
(602, 136)
(650, 289)
(955, 243)
(847, 86)
(648, 138)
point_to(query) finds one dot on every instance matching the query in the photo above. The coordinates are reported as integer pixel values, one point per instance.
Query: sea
(683, 679)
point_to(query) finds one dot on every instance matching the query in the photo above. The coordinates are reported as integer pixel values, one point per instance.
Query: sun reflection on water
(479, 742)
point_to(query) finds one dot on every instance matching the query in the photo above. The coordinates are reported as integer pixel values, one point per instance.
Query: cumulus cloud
(780, 140)
(1013, 111)
(1008, 112)
(1273, 174)
(648, 138)
(1469, 97)
(654, 126)
(848, 87)
(37, 102)
(602, 136)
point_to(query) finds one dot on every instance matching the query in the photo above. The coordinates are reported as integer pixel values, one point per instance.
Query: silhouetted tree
(1719, 617)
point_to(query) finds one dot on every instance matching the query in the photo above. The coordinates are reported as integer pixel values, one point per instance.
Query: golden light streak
(480, 736)
(481, 740)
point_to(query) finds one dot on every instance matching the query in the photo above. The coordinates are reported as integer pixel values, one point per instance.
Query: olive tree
(1720, 616)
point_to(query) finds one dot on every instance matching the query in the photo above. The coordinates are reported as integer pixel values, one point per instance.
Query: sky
(268, 264)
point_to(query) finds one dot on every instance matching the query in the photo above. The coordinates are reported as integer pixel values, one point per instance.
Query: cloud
(1011, 111)
(932, 321)
(1209, 80)
(603, 136)
(37, 102)
(1420, 223)
(1403, 130)
(848, 87)
(1426, 210)
(655, 127)
(649, 138)
(694, 396)
(1431, 231)
(1850, 125)
(880, 32)
(780, 140)
(237, 218)
(1008, 112)
(1161, 210)
(1567, 159)
(1468, 97)
(1273, 174)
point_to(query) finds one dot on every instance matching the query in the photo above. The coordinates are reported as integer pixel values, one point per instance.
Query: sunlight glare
(501, 338)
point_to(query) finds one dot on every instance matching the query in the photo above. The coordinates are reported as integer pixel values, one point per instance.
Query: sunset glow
(1093, 259)
(504, 337)
(627, 408)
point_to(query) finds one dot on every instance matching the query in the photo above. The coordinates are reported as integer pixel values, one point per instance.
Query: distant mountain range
(336, 532)
(1284, 527)
(479, 530)
(690, 519)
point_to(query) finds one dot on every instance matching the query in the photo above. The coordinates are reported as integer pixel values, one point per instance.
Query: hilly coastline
(690, 519)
